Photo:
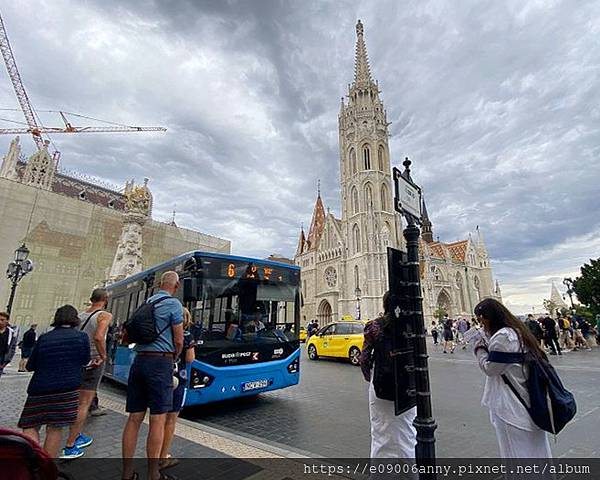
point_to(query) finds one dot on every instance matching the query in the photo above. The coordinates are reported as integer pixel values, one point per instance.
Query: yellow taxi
(339, 339)
(302, 335)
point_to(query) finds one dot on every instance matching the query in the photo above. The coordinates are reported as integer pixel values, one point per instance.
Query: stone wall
(72, 244)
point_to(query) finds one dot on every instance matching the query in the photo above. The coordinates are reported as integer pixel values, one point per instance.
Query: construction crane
(32, 125)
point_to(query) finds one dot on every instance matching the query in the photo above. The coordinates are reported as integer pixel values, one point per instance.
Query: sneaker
(98, 412)
(69, 453)
(83, 441)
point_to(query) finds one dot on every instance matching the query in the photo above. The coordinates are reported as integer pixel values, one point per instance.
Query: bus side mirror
(191, 290)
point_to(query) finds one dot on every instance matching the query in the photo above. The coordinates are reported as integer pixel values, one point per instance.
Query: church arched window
(352, 161)
(356, 279)
(384, 197)
(354, 196)
(380, 158)
(356, 238)
(368, 196)
(367, 157)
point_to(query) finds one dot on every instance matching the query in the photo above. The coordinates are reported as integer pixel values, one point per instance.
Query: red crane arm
(39, 130)
(15, 77)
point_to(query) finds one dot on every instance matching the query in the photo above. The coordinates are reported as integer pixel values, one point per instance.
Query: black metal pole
(11, 299)
(424, 421)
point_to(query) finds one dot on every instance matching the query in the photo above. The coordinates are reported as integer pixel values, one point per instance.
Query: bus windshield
(241, 310)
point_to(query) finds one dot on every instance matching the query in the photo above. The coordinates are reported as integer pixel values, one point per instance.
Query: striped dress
(53, 392)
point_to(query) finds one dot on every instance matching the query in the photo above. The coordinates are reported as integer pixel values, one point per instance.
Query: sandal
(168, 462)
(135, 476)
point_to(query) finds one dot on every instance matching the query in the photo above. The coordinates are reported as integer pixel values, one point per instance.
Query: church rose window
(331, 277)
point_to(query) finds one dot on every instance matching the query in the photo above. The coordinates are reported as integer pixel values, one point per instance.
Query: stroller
(23, 459)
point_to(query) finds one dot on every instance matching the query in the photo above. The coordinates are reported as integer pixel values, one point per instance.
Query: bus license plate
(255, 385)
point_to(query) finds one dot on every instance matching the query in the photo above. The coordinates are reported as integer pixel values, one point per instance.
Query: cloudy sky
(496, 102)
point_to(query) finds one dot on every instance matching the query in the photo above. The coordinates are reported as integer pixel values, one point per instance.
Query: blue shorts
(150, 385)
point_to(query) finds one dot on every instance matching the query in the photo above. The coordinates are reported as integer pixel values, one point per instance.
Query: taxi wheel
(312, 352)
(354, 356)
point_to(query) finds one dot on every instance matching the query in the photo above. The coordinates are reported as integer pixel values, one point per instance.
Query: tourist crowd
(68, 363)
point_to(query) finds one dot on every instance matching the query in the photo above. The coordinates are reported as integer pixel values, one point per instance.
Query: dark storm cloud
(496, 103)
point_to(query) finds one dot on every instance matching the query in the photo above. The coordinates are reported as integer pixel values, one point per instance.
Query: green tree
(439, 313)
(587, 286)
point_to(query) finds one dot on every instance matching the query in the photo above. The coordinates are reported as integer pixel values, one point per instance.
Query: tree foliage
(439, 313)
(587, 286)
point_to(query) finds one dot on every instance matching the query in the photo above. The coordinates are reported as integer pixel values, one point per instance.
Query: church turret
(9, 163)
(40, 169)
(301, 242)
(426, 230)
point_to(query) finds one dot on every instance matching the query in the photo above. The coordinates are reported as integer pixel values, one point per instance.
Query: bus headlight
(199, 379)
(294, 367)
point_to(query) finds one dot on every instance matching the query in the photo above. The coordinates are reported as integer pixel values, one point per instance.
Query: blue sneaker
(69, 453)
(83, 441)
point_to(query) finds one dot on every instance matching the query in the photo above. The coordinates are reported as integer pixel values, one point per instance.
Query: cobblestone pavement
(207, 453)
(327, 413)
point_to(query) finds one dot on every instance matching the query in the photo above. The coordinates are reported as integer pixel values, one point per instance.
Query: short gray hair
(169, 279)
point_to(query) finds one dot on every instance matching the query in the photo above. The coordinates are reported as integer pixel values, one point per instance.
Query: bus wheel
(354, 356)
(312, 352)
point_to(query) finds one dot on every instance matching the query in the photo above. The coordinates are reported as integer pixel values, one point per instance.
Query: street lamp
(568, 282)
(358, 293)
(16, 270)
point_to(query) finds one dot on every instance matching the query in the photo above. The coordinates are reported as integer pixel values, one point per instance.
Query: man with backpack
(157, 329)
(94, 323)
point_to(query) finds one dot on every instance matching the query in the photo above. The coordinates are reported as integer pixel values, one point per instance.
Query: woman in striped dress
(53, 392)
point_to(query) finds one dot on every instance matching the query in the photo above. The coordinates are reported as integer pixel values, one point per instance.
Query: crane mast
(15, 78)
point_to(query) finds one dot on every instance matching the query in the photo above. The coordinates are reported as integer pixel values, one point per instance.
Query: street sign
(407, 196)
(403, 328)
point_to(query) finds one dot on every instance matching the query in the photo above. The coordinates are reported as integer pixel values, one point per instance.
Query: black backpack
(383, 372)
(552, 406)
(141, 326)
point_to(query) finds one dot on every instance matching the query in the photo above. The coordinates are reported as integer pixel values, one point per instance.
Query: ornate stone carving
(128, 258)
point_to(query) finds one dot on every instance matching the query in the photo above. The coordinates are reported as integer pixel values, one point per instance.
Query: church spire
(427, 231)
(317, 223)
(301, 242)
(362, 71)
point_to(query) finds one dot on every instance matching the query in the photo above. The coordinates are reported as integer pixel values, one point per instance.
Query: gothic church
(344, 261)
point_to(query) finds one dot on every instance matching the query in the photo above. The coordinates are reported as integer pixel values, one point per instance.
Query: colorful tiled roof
(458, 250)
(317, 224)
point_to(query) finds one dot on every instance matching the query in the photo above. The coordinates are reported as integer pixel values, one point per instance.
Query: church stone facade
(80, 234)
(344, 260)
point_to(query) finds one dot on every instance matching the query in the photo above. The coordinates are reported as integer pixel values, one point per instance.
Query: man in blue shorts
(150, 384)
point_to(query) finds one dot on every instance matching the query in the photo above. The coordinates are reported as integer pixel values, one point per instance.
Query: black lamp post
(424, 422)
(16, 270)
(568, 282)
(358, 293)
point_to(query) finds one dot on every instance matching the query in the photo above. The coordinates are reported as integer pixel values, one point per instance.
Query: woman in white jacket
(518, 436)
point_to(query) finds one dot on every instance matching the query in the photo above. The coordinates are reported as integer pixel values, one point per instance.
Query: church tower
(368, 216)
(9, 163)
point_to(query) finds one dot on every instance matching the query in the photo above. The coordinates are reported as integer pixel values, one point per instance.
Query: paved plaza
(326, 415)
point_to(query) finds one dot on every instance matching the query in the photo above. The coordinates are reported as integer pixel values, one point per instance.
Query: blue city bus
(245, 323)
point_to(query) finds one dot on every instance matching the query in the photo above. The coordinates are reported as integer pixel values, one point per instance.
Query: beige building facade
(344, 260)
(74, 229)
